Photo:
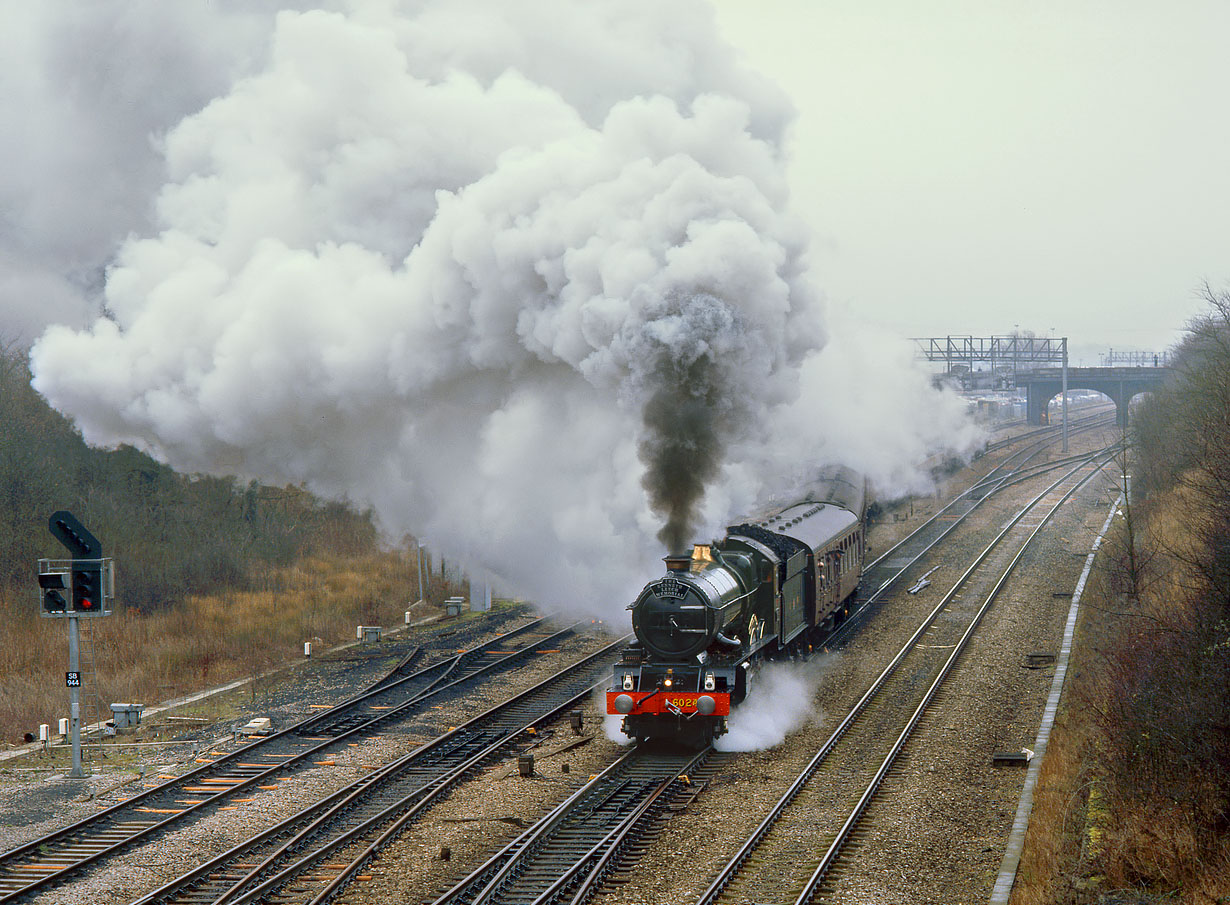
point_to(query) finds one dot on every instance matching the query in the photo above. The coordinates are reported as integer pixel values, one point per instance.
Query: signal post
(82, 586)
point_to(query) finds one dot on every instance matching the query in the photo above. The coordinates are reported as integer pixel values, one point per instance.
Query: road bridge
(1120, 384)
(1021, 360)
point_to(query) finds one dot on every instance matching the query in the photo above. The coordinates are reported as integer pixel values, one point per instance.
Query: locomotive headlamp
(668, 681)
(628, 682)
(710, 682)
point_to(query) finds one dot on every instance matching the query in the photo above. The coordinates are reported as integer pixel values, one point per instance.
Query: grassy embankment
(200, 641)
(1134, 795)
(216, 579)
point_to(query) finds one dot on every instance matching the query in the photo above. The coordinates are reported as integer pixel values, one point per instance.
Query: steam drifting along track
(896, 562)
(822, 808)
(352, 853)
(63, 854)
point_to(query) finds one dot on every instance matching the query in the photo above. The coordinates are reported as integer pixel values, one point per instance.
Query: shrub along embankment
(1135, 792)
(215, 578)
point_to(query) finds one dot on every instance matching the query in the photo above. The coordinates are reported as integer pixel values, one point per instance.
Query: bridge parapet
(1120, 384)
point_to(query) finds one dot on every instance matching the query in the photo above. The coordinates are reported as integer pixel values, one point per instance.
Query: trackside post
(80, 586)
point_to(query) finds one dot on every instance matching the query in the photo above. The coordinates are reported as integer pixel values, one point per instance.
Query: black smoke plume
(688, 414)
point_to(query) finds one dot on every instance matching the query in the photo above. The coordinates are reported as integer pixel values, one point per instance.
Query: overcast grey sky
(964, 166)
(971, 166)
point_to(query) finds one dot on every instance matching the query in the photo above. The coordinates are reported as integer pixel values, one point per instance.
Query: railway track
(311, 856)
(1041, 439)
(570, 851)
(821, 810)
(604, 853)
(1074, 424)
(594, 839)
(577, 849)
(897, 562)
(66, 853)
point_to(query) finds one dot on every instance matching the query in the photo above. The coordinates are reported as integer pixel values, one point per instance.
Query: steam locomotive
(768, 589)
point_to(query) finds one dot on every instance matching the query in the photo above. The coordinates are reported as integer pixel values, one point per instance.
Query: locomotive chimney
(678, 562)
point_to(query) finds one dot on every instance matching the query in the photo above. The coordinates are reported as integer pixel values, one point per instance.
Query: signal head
(87, 589)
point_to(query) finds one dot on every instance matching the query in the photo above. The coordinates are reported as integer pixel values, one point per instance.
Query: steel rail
(985, 486)
(1073, 423)
(510, 850)
(594, 863)
(97, 842)
(735, 864)
(1089, 424)
(581, 860)
(534, 837)
(398, 672)
(830, 855)
(1046, 437)
(612, 847)
(454, 670)
(964, 503)
(300, 831)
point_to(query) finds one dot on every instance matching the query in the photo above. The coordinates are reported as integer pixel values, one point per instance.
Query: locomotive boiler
(768, 589)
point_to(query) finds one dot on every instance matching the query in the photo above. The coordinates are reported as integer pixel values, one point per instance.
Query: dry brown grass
(1131, 733)
(203, 641)
(1054, 867)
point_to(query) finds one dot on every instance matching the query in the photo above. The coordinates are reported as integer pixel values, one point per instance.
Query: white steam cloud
(780, 701)
(87, 88)
(612, 724)
(522, 277)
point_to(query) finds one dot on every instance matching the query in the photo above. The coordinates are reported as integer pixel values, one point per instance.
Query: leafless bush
(1158, 705)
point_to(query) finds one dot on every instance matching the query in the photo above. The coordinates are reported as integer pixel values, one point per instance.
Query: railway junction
(897, 787)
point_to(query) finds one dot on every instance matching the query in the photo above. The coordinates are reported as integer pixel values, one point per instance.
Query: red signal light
(87, 588)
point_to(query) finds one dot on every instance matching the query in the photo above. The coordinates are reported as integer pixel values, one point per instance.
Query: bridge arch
(1080, 399)
(1120, 384)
